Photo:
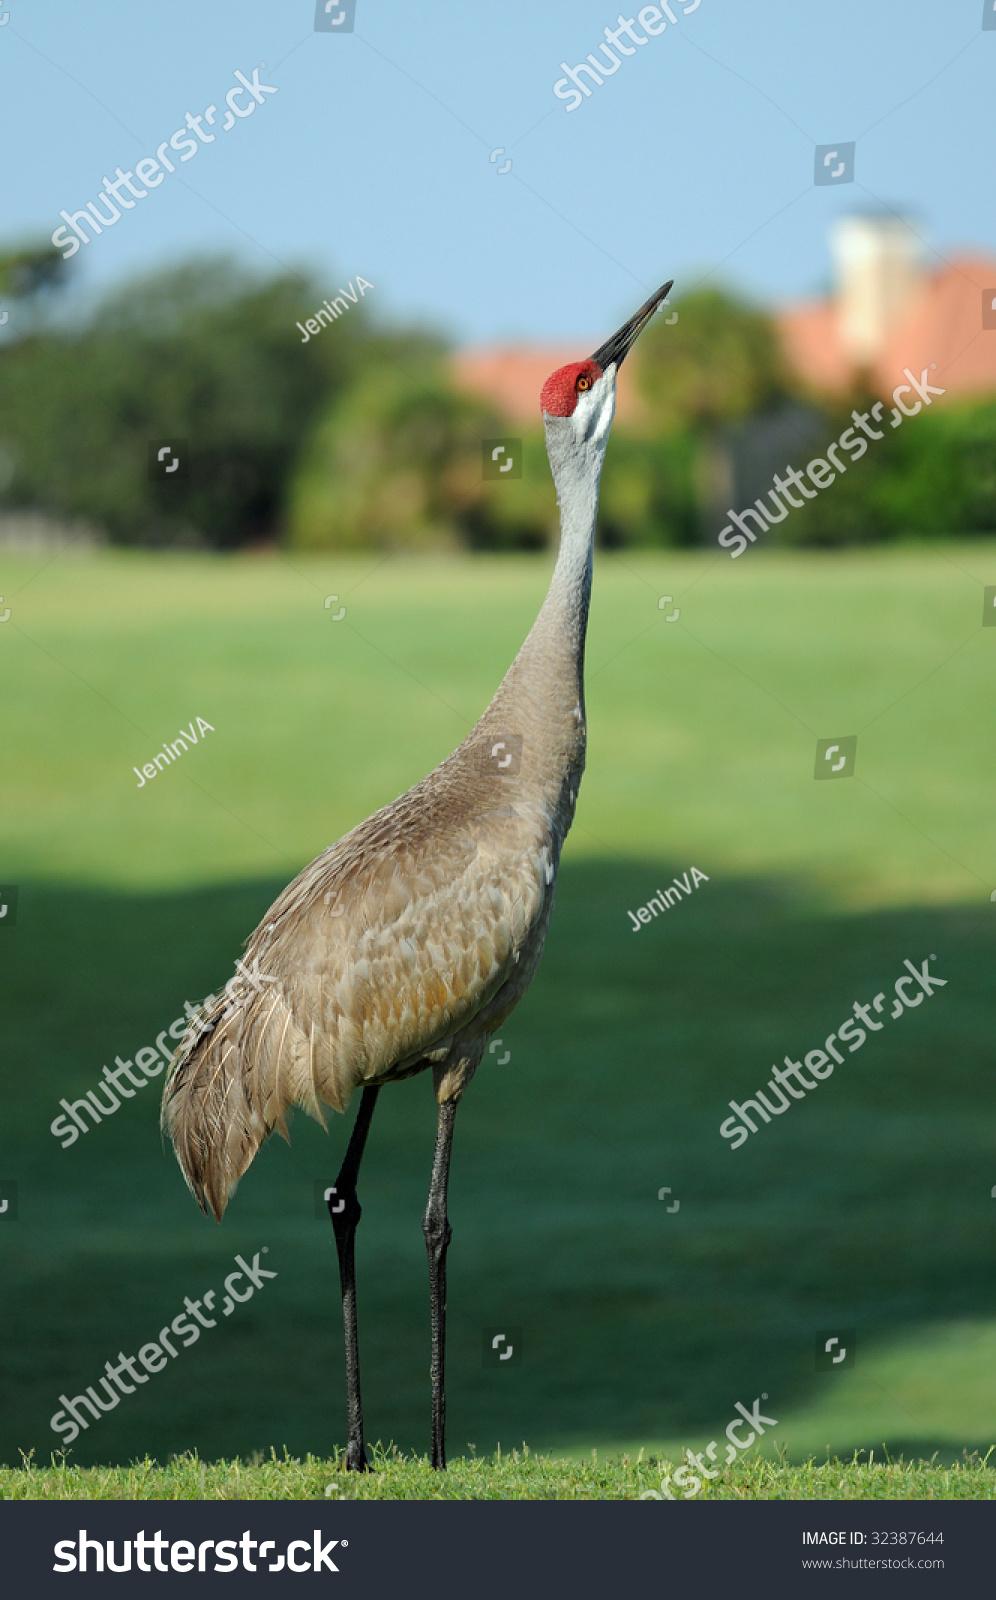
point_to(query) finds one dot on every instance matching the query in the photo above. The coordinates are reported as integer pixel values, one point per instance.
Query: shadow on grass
(865, 1207)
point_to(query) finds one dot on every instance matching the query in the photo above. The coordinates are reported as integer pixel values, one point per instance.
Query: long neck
(558, 634)
(564, 614)
(541, 698)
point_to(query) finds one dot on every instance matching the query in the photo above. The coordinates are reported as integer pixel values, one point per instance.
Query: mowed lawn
(866, 1211)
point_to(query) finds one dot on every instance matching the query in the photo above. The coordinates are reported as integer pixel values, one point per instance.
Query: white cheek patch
(595, 409)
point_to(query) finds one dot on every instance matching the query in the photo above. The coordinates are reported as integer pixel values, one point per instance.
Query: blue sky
(695, 158)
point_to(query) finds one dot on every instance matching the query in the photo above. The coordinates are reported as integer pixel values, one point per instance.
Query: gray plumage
(406, 945)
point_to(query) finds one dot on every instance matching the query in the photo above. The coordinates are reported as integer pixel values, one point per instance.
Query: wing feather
(382, 950)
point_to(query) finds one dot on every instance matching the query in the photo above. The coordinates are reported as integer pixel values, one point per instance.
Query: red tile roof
(943, 324)
(812, 346)
(513, 375)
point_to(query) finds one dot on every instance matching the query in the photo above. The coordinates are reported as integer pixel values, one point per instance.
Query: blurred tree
(648, 495)
(204, 352)
(358, 437)
(396, 462)
(719, 362)
(520, 514)
(717, 366)
(933, 477)
(27, 270)
(941, 473)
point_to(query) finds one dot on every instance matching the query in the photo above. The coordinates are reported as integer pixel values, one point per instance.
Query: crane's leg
(437, 1231)
(345, 1210)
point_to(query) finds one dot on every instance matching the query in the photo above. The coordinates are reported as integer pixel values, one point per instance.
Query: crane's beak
(618, 347)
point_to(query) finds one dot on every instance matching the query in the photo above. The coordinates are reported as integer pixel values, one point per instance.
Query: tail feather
(237, 1070)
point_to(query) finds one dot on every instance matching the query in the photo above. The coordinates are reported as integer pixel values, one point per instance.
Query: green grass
(519, 1475)
(867, 1207)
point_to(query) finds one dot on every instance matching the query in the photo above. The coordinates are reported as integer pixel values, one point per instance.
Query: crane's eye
(583, 383)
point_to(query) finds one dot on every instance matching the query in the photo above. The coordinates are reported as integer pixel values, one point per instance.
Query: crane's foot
(356, 1458)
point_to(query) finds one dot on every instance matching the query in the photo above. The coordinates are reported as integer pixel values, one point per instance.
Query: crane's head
(579, 400)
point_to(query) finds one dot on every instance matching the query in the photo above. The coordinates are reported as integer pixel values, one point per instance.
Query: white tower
(879, 268)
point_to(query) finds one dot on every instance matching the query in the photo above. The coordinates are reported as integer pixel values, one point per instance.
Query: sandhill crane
(407, 944)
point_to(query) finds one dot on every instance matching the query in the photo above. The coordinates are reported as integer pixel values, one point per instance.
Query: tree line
(360, 438)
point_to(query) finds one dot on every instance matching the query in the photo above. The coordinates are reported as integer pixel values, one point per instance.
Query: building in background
(895, 304)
